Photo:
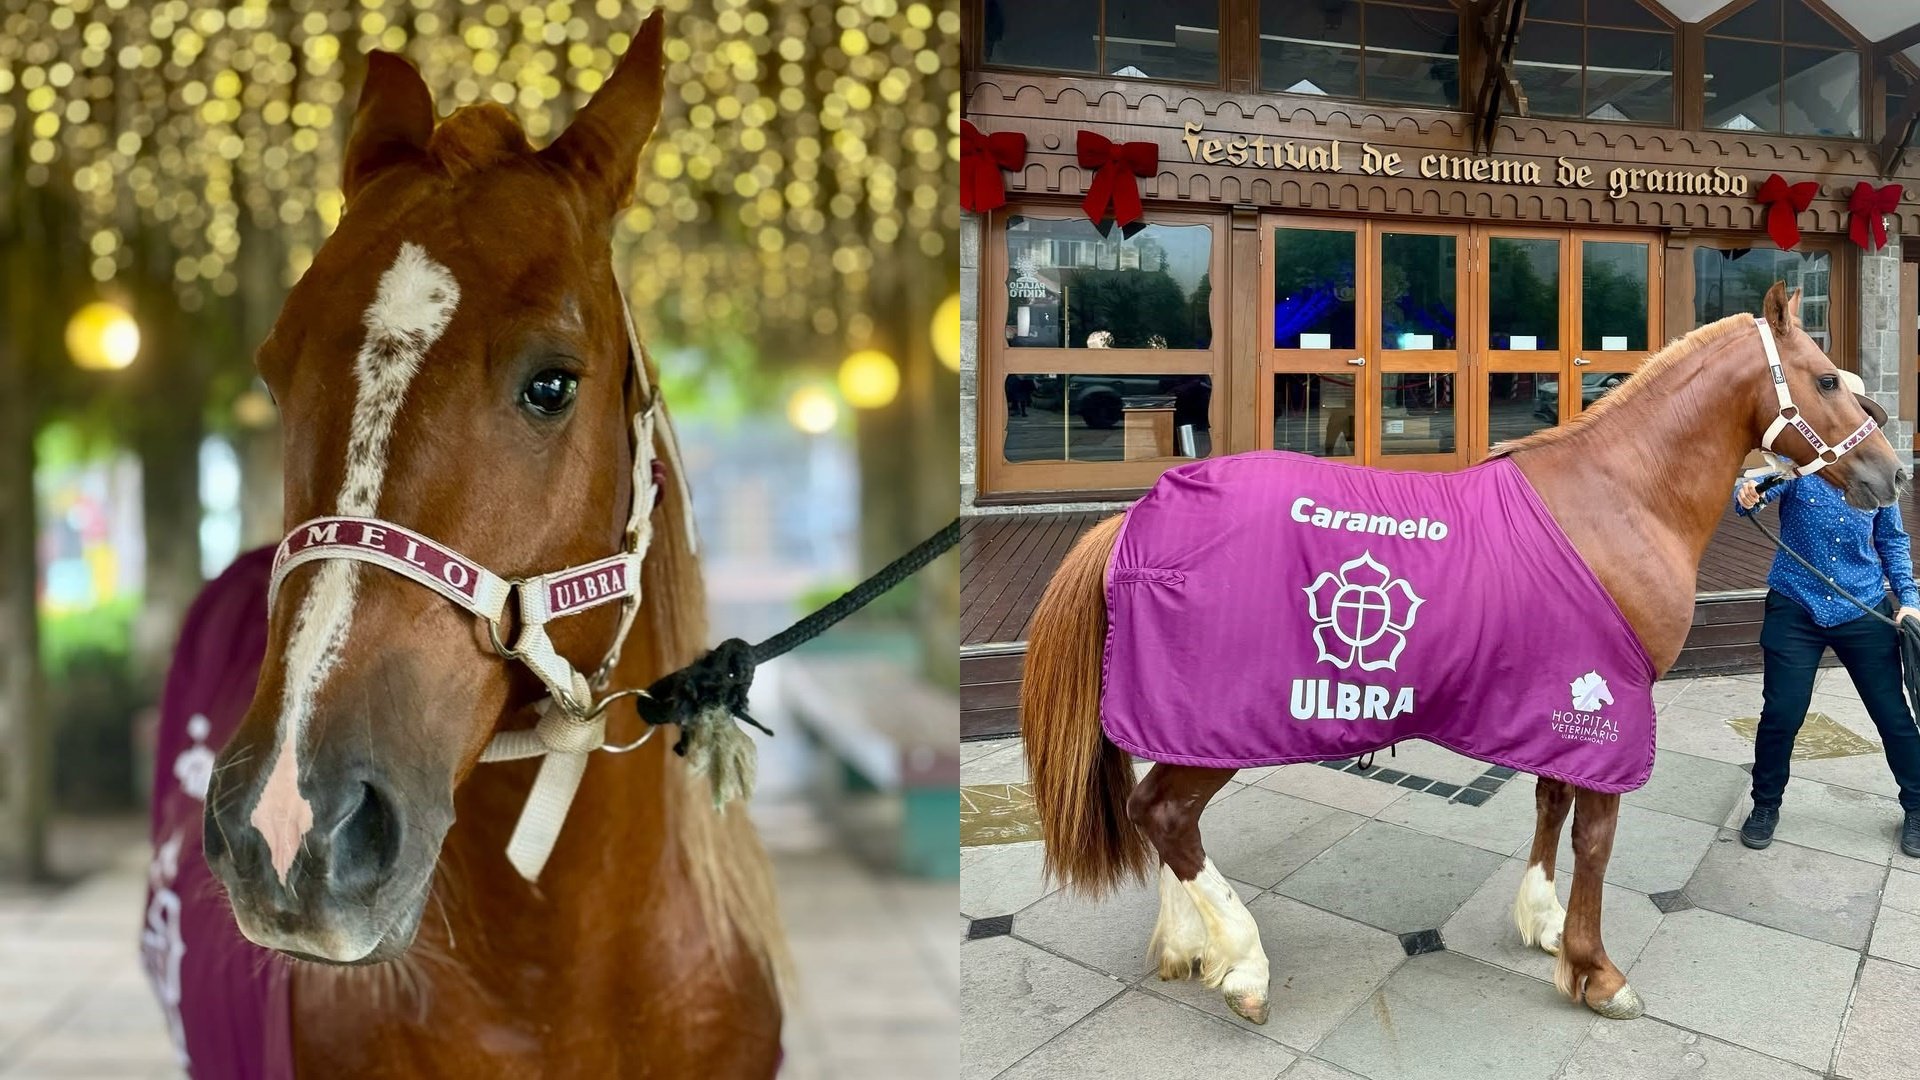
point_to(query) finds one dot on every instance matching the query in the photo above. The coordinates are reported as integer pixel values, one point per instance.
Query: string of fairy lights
(802, 140)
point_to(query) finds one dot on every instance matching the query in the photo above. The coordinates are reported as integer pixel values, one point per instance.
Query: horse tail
(1080, 780)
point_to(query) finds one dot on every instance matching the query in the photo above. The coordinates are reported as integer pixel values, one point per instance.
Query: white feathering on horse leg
(1179, 936)
(1537, 911)
(719, 750)
(1233, 961)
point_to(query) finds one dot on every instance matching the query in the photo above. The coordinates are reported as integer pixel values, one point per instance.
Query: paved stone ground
(1796, 962)
(877, 997)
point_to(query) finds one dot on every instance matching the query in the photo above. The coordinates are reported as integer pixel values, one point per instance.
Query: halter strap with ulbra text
(572, 723)
(1789, 417)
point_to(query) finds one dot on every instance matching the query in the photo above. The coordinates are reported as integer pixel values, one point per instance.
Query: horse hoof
(1246, 996)
(1623, 1005)
(1254, 1008)
(1550, 942)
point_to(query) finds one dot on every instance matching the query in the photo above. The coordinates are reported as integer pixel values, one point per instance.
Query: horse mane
(475, 137)
(720, 849)
(1675, 351)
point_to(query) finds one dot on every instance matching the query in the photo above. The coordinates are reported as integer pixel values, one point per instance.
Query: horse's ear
(392, 122)
(1793, 306)
(1775, 309)
(601, 147)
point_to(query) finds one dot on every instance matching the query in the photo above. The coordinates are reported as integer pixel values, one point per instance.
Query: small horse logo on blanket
(1590, 692)
(1361, 614)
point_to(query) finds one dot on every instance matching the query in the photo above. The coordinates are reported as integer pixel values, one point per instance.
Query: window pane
(1070, 287)
(1107, 417)
(1416, 295)
(1613, 296)
(1058, 36)
(1598, 384)
(1621, 13)
(1560, 10)
(1807, 27)
(1313, 414)
(1310, 49)
(1823, 92)
(1416, 413)
(1523, 293)
(1313, 289)
(1734, 281)
(1520, 403)
(1412, 55)
(1760, 19)
(1547, 66)
(1630, 76)
(1743, 85)
(1164, 39)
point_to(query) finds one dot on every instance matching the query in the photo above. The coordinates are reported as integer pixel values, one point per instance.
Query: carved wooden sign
(1334, 156)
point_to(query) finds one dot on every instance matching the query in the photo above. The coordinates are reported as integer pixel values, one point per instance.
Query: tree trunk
(167, 440)
(24, 735)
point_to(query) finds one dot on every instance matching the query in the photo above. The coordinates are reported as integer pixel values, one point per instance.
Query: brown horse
(491, 406)
(1637, 483)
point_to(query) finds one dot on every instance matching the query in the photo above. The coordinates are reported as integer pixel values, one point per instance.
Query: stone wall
(1879, 310)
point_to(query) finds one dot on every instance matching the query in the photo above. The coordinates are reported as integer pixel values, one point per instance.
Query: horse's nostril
(367, 843)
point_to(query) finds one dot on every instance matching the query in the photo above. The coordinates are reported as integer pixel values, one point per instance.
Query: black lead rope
(723, 676)
(1907, 630)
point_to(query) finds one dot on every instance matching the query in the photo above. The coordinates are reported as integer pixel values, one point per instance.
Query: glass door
(1418, 287)
(1520, 338)
(1314, 389)
(1616, 279)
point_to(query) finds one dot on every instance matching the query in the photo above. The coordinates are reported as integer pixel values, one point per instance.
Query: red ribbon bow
(1783, 203)
(1867, 206)
(1116, 165)
(982, 156)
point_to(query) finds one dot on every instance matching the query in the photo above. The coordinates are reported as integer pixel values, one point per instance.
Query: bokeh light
(869, 379)
(945, 332)
(103, 336)
(813, 410)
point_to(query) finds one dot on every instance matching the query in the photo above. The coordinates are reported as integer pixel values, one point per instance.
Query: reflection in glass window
(1779, 65)
(1523, 293)
(1313, 414)
(1059, 36)
(1168, 40)
(1417, 304)
(1068, 287)
(1405, 51)
(1613, 296)
(1599, 59)
(1520, 403)
(1416, 413)
(1107, 417)
(1313, 281)
(1734, 281)
(1899, 91)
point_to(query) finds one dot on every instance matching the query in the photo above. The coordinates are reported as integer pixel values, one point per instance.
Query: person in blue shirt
(1866, 553)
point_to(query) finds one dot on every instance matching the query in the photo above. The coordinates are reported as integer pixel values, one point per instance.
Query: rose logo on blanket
(1361, 614)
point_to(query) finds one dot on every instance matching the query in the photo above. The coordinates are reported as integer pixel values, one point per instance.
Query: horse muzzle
(357, 881)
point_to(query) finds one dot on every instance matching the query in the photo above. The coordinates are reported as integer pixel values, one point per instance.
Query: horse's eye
(550, 393)
(1829, 382)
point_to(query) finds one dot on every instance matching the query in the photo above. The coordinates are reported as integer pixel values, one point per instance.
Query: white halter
(1789, 416)
(571, 724)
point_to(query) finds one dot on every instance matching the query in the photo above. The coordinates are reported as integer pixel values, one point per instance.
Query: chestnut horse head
(1820, 423)
(455, 361)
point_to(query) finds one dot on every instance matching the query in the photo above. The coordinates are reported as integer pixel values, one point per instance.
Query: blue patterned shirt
(1865, 552)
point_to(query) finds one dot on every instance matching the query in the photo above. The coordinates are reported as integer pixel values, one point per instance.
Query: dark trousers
(1869, 649)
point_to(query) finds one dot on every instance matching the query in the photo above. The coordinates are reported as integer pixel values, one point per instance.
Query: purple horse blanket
(225, 999)
(1269, 608)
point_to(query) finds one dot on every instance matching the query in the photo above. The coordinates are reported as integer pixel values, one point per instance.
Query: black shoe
(1758, 831)
(1910, 835)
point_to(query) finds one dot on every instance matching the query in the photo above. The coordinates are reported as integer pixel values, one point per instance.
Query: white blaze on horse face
(416, 298)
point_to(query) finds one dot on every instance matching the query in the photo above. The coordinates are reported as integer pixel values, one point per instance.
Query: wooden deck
(1007, 560)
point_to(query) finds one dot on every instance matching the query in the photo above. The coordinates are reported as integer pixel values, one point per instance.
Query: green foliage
(1134, 306)
(70, 640)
